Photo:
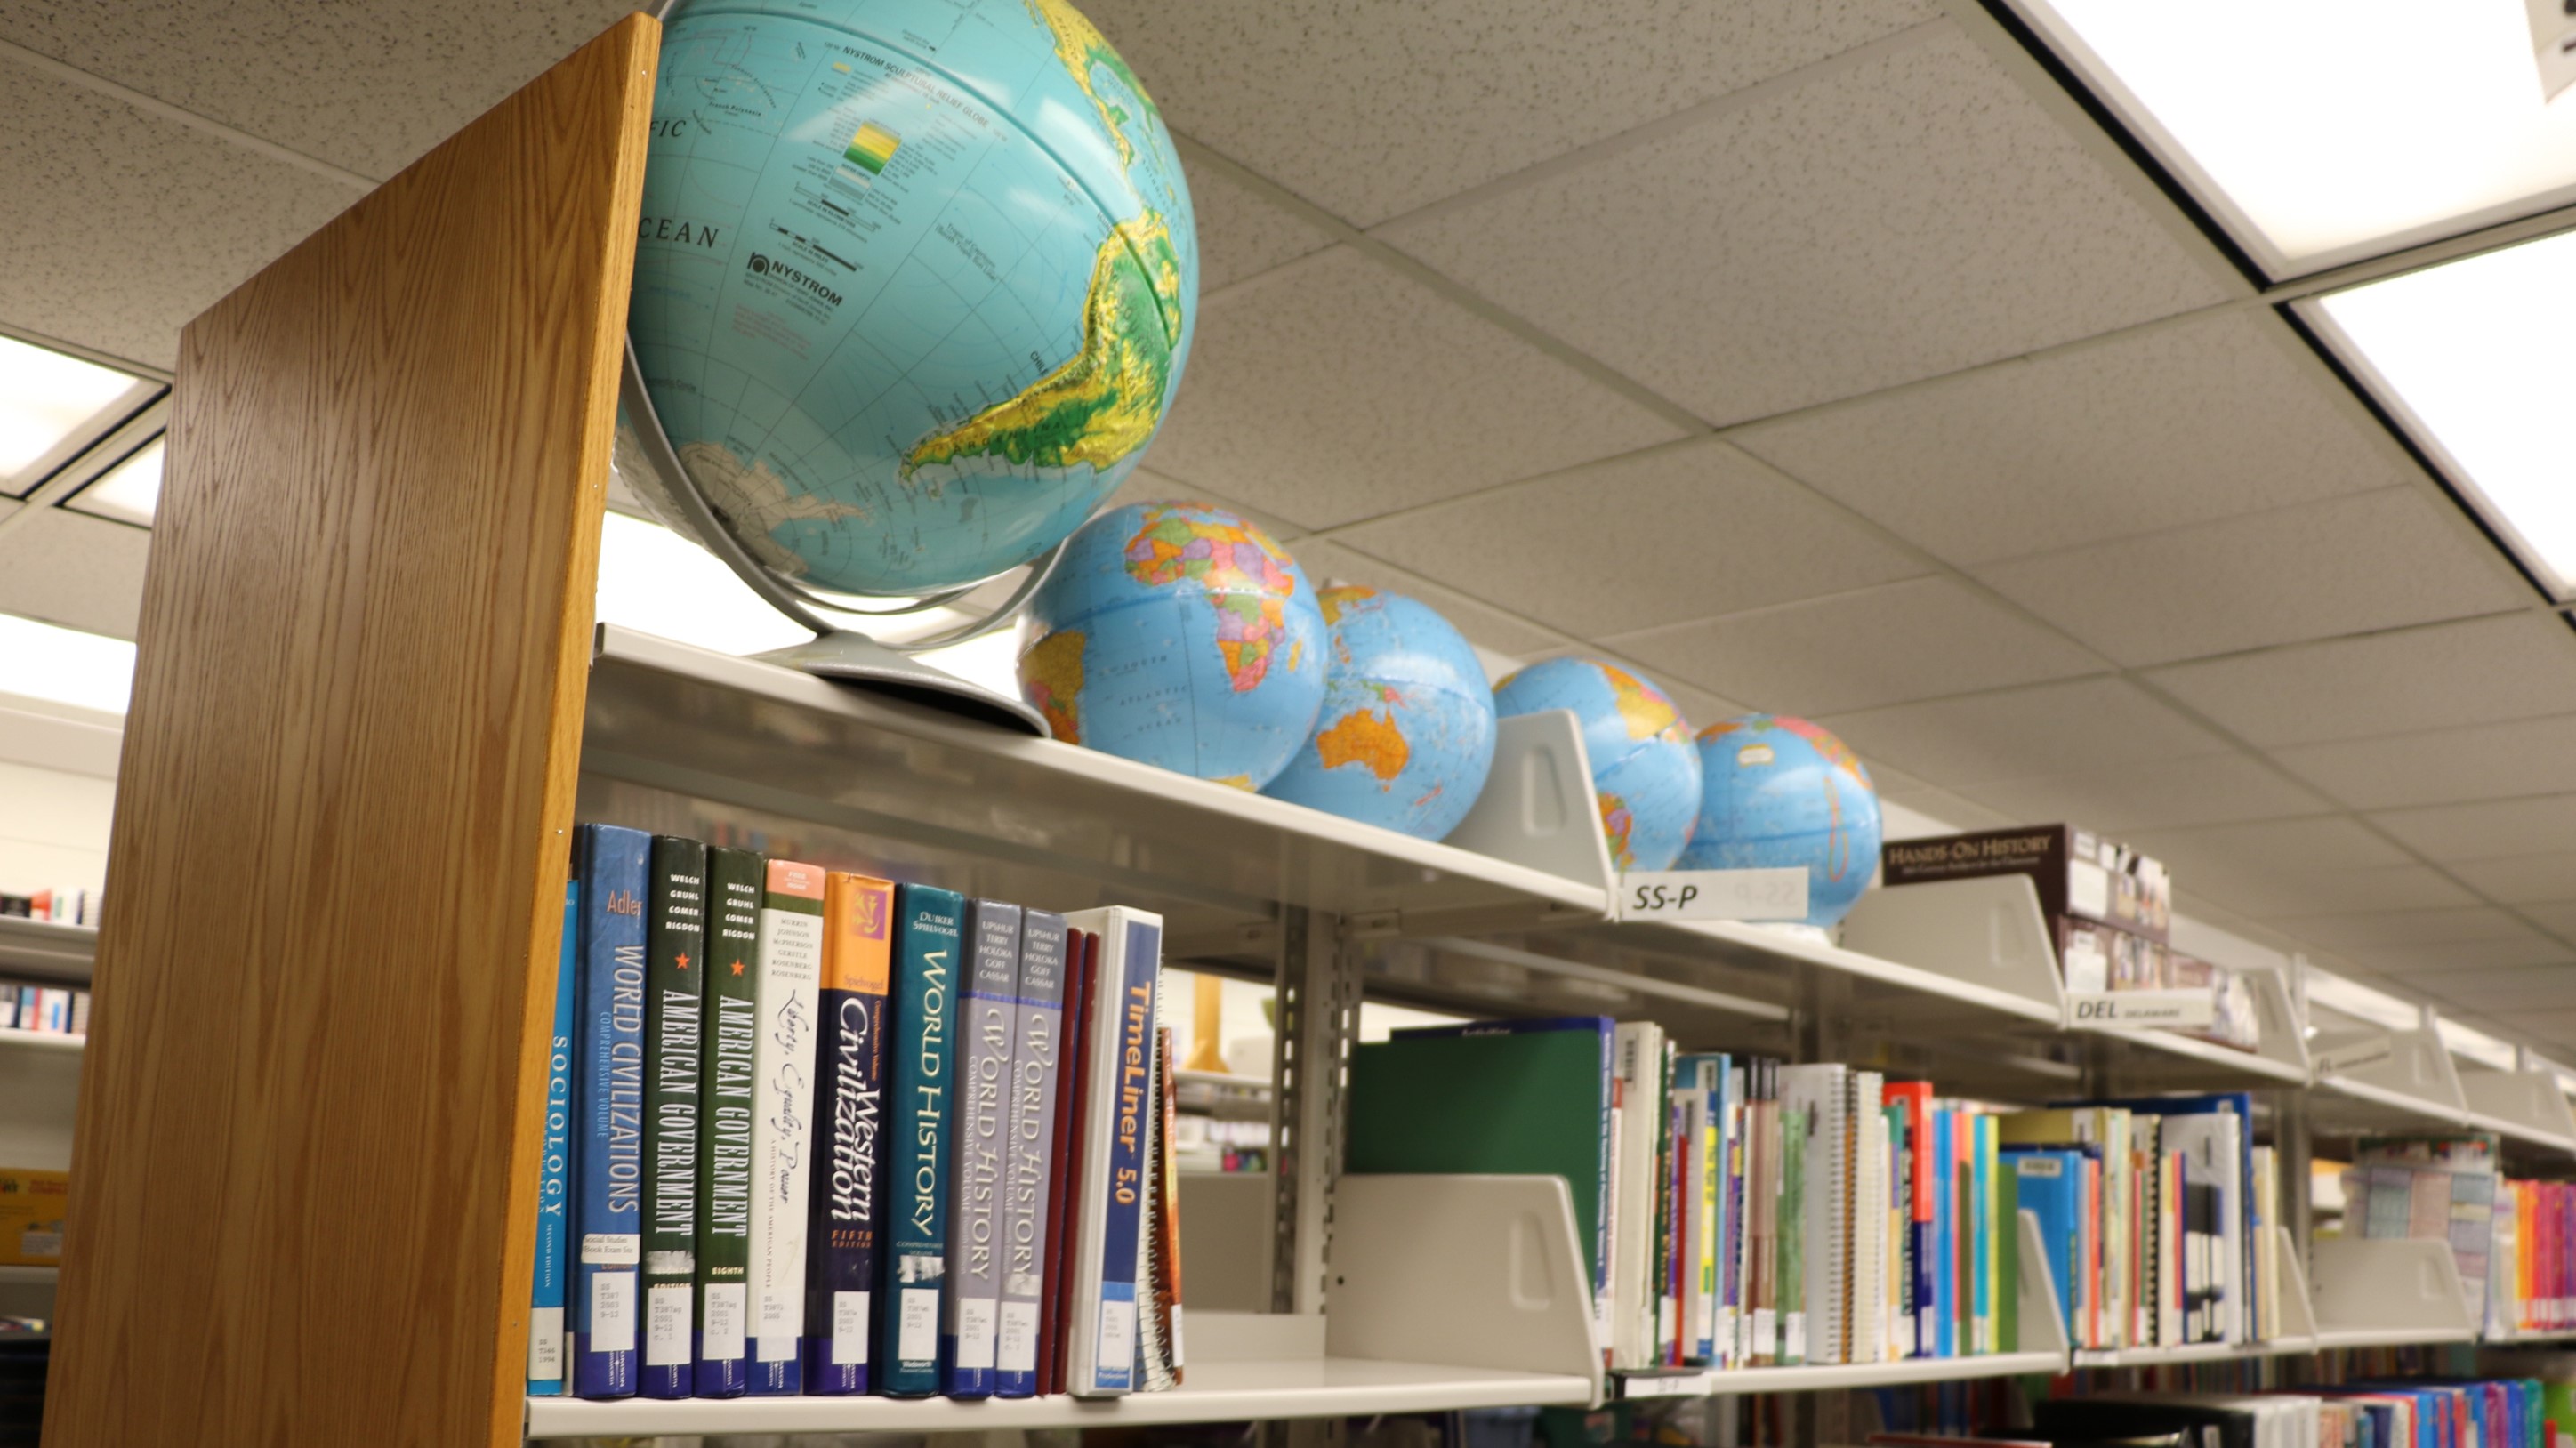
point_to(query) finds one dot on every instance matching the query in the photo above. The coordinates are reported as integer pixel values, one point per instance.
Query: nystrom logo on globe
(762, 265)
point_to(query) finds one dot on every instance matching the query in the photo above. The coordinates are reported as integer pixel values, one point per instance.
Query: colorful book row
(51, 1010)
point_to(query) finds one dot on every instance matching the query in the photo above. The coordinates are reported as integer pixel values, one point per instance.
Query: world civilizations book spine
(610, 1150)
(546, 1340)
(1029, 1154)
(782, 1121)
(849, 1116)
(977, 1105)
(732, 1031)
(921, 1055)
(675, 980)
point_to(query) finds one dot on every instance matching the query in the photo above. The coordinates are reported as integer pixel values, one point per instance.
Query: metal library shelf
(2298, 1323)
(42, 950)
(2388, 1293)
(23, 1275)
(2412, 1087)
(13, 1039)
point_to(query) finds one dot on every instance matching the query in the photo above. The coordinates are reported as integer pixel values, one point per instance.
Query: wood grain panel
(306, 1157)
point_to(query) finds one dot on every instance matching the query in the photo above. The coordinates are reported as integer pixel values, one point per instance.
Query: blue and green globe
(1645, 774)
(1179, 635)
(1782, 793)
(1406, 736)
(915, 280)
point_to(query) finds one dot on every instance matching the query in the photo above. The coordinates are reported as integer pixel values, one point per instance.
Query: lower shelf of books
(1824, 1377)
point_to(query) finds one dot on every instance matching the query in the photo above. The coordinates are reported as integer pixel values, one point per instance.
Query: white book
(2211, 1151)
(1639, 1056)
(1108, 1201)
(1820, 1093)
(782, 1118)
(1865, 1294)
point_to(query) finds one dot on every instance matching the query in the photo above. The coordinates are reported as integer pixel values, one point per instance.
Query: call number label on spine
(1713, 895)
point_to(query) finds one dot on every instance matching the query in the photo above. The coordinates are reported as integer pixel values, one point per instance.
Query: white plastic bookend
(2141, 1007)
(1538, 808)
(2298, 1313)
(2391, 1289)
(2043, 1319)
(2417, 1068)
(2529, 1101)
(1461, 1271)
(2284, 1036)
(1987, 931)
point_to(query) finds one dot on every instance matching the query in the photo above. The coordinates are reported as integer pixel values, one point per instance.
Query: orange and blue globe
(1182, 636)
(1406, 736)
(1782, 793)
(915, 281)
(1645, 774)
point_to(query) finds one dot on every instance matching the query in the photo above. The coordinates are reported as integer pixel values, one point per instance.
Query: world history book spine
(732, 1031)
(1101, 1336)
(849, 1116)
(546, 1341)
(921, 1051)
(782, 1121)
(972, 1290)
(1028, 1161)
(609, 1150)
(674, 980)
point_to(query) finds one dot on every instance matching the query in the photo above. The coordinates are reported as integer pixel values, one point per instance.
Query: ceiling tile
(2432, 962)
(123, 226)
(364, 84)
(2199, 854)
(1918, 639)
(2206, 418)
(2421, 678)
(1328, 563)
(1242, 230)
(71, 569)
(2511, 988)
(2442, 766)
(1904, 216)
(2521, 879)
(2209, 789)
(2314, 570)
(2050, 728)
(2387, 928)
(1679, 532)
(1699, 707)
(2557, 918)
(2487, 830)
(2263, 893)
(1332, 389)
(1373, 109)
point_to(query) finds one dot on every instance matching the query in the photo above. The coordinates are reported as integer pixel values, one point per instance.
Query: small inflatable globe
(915, 280)
(1178, 635)
(1644, 771)
(1781, 793)
(1406, 736)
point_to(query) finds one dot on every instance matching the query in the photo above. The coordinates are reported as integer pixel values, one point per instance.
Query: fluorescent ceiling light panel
(50, 404)
(2476, 358)
(2325, 131)
(67, 666)
(130, 492)
(653, 580)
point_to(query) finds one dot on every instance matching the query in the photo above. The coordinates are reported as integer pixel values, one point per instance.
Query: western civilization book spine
(921, 1053)
(1064, 1174)
(1028, 1158)
(977, 1112)
(675, 980)
(1101, 1358)
(782, 1121)
(546, 1341)
(727, 1063)
(849, 1114)
(610, 1148)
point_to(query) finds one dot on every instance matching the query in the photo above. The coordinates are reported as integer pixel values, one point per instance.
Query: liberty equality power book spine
(1110, 1197)
(675, 979)
(1028, 1158)
(609, 1151)
(547, 1343)
(732, 1033)
(921, 1051)
(782, 1121)
(973, 1287)
(849, 1118)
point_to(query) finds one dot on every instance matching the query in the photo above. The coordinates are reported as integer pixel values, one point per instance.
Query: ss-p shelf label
(1713, 894)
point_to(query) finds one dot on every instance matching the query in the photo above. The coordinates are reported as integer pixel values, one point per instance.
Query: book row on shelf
(811, 1132)
(2513, 1240)
(45, 1009)
(62, 907)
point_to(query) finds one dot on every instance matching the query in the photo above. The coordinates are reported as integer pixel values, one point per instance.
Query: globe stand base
(854, 658)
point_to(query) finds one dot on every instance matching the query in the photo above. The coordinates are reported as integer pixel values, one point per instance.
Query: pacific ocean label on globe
(910, 295)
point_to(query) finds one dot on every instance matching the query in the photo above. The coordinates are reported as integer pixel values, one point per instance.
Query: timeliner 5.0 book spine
(675, 981)
(978, 1106)
(609, 1149)
(734, 880)
(921, 1050)
(782, 1121)
(1109, 1201)
(849, 1116)
(546, 1340)
(1028, 1159)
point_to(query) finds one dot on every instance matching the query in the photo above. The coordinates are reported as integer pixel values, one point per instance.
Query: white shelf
(2389, 1293)
(22, 1275)
(2526, 1109)
(2413, 1088)
(11, 1038)
(2521, 1336)
(2199, 1352)
(2155, 1059)
(1819, 1378)
(41, 950)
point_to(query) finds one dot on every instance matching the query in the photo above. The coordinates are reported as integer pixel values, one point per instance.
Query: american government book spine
(1101, 1337)
(782, 1121)
(610, 1148)
(921, 1053)
(547, 1343)
(973, 1288)
(675, 977)
(734, 879)
(849, 1200)
(1029, 1154)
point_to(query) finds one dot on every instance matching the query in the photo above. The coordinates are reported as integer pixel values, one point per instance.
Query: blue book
(1028, 1165)
(2239, 1104)
(546, 1339)
(971, 1303)
(1981, 1242)
(1119, 1104)
(849, 1150)
(608, 1203)
(1945, 1244)
(921, 1047)
(2051, 1183)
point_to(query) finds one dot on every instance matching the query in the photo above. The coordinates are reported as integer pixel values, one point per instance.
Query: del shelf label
(1713, 894)
(2142, 1008)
